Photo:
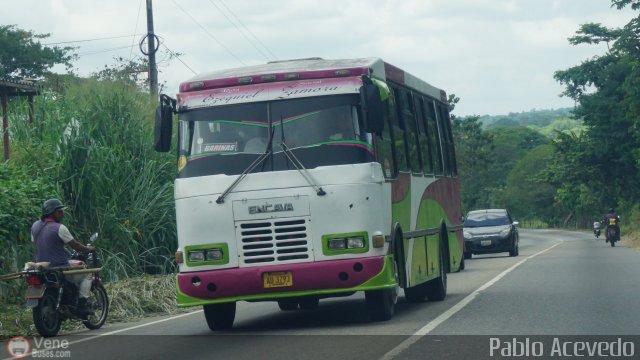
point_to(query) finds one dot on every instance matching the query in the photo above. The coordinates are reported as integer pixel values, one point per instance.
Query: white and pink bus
(307, 179)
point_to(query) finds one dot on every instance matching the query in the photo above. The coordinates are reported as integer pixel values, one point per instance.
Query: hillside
(546, 122)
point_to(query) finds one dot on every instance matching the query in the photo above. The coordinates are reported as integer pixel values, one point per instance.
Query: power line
(133, 41)
(208, 33)
(103, 50)
(240, 31)
(178, 57)
(87, 40)
(248, 30)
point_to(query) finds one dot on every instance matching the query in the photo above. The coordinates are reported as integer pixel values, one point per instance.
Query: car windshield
(482, 219)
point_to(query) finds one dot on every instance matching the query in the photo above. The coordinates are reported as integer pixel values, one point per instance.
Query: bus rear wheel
(416, 293)
(436, 289)
(220, 316)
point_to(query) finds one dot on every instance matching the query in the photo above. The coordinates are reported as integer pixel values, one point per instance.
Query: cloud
(499, 56)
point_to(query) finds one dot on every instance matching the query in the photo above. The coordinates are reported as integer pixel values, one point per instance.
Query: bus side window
(398, 136)
(452, 148)
(444, 138)
(423, 138)
(434, 138)
(384, 145)
(409, 123)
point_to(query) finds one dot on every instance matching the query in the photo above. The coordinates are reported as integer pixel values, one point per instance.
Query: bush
(91, 146)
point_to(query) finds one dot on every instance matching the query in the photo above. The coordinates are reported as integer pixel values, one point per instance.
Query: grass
(632, 240)
(130, 300)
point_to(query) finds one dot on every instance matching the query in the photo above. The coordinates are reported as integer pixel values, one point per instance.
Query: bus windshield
(241, 132)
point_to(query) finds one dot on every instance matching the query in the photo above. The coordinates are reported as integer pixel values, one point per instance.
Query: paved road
(563, 283)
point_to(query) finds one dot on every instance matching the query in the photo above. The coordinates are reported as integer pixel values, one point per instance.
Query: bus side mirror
(164, 124)
(373, 108)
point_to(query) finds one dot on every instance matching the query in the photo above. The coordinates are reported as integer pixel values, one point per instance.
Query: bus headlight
(214, 255)
(196, 255)
(356, 242)
(336, 244)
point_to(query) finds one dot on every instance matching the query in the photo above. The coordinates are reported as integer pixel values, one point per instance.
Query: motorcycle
(53, 299)
(596, 232)
(612, 235)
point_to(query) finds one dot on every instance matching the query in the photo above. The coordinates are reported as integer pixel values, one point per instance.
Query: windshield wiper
(297, 163)
(301, 169)
(268, 151)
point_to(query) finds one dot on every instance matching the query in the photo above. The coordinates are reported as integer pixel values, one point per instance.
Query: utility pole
(151, 52)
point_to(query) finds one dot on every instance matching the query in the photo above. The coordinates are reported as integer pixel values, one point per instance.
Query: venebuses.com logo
(20, 347)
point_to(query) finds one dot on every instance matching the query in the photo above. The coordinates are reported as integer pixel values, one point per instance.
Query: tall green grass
(91, 144)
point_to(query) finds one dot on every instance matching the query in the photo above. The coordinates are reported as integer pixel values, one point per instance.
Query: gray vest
(49, 246)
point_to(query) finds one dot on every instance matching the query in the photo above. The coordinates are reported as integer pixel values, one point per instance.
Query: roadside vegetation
(566, 167)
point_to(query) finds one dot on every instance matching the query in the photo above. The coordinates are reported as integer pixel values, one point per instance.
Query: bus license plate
(277, 279)
(485, 242)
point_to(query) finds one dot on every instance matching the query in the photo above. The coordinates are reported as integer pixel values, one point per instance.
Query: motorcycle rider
(50, 237)
(612, 220)
(596, 228)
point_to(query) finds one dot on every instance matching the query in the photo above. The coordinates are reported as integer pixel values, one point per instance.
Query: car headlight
(505, 232)
(467, 235)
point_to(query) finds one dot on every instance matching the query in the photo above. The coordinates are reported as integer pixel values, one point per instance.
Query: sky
(497, 56)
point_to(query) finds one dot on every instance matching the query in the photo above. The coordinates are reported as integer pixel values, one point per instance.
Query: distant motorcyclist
(596, 228)
(50, 237)
(612, 220)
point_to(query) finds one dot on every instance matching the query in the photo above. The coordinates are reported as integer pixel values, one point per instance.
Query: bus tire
(220, 316)
(416, 294)
(436, 289)
(381, 303)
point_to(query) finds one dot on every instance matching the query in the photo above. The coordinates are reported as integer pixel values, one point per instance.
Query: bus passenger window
(398, 136)
(434, 137)
(444, 127)
(423, 138)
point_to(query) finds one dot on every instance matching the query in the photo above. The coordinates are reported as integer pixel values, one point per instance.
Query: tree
(607, 89)
(528, 193)
(132, 71)
(23, 56)
(473, 152)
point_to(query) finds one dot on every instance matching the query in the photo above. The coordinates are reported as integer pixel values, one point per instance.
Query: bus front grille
(274, 241)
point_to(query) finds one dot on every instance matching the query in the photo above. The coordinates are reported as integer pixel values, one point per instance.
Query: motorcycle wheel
(45, 315)
(100, 305)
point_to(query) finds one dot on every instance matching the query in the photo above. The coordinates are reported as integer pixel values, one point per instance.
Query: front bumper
(316, 278)
(488, 245)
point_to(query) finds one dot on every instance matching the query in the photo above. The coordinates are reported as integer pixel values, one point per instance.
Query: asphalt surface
(563, 283)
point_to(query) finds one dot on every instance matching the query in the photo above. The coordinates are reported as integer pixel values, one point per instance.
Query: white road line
(119, 331)
(454, 309)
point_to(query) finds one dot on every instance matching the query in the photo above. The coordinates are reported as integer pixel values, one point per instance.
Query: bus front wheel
(220, 316)
(381, 303)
